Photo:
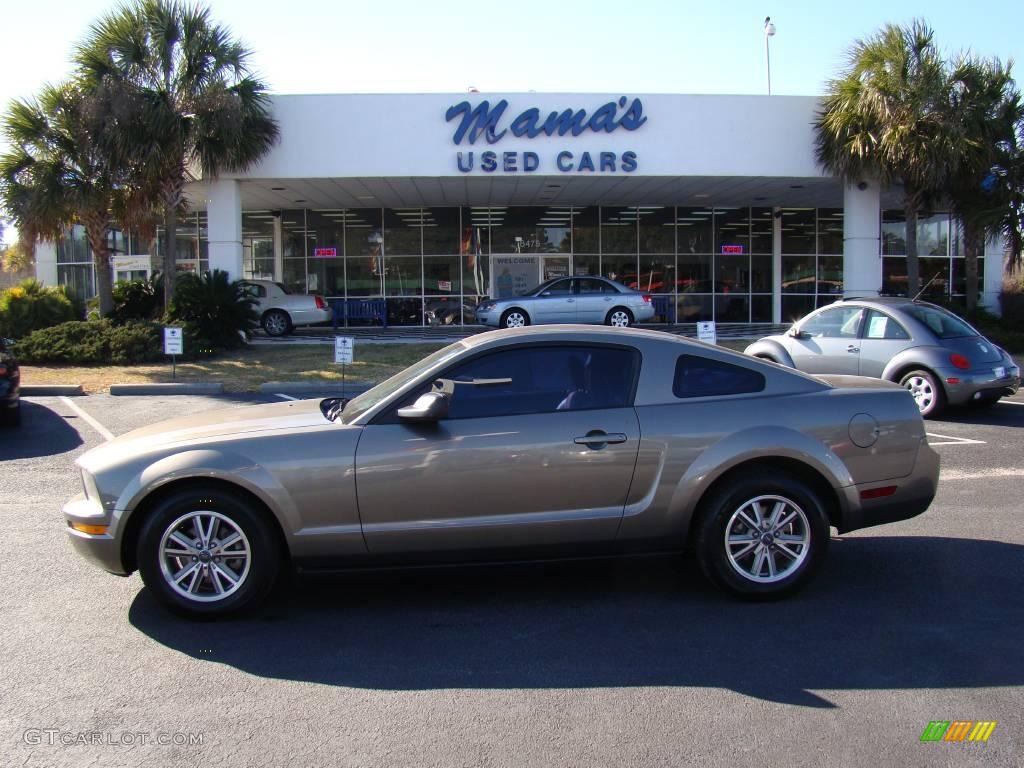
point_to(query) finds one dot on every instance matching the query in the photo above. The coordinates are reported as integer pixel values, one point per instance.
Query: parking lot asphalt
(629, 663)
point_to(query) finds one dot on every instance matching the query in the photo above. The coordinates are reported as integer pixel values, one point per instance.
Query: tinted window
(703, 377)
(943, 324)
(595, 286)
(834, 323)
(256, 291)
(543, 379)
(561, 288)
(881, 326)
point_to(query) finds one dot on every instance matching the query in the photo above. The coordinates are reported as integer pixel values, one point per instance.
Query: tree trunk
(170, 252)
(913, 268)
(972, 250)
(96, 232)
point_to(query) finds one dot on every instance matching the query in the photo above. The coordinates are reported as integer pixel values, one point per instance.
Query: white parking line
(950, 440)
(985, 474)
(1012, 402)
(286, 397)
(104, 432)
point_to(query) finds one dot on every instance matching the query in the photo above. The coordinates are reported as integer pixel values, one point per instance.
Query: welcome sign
(492, 124)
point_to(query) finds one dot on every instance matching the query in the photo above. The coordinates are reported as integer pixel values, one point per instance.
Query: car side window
(561, 288)
(834, 323)
(881, 326)
(538, 379)
(256, 291)
(704, 377)
(588, 286)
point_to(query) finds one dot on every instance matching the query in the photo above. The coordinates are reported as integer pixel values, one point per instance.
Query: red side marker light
(877, 493)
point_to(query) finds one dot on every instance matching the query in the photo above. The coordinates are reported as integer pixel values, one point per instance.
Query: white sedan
(281, 310)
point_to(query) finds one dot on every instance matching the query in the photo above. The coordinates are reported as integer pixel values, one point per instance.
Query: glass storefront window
(403, 231)
(795, 307)
(732, 273)
(732, 308)
(618, 231)
(693, 308)
(693, 230)
(894, 233)
(326, 277)
(894, 277)
(798, 230)
(585, 233)
(761, 230)
(960, 276)
(295, 275)
(657, 274)
(363, 235)
(258, 244)
(586, 265)
(694, 273)
(760, 309)
(830, 275)
(403, 276)
(798, 274)
(830, 230)
(441, 234)
(732, 229)
(442, 275)
(934, 276)
(933, 235)
(761, 274)
(657, 229)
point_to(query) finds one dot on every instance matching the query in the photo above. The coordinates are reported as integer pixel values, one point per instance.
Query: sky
(626, 47)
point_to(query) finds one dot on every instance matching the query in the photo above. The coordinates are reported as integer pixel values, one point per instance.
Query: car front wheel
(927, 392)
(204, 552)
(514, 318)
(763, 536)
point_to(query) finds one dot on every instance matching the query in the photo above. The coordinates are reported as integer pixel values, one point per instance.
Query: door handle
(570, 300)
(852, 348)
(597, 438)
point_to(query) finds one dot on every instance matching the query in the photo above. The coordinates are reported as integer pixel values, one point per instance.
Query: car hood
(207, 426)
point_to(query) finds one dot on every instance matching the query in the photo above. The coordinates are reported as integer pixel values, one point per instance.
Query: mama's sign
(491, 123)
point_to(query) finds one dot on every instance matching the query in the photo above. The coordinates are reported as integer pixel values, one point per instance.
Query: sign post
(174, 344)
(343, 347)
(706, 332)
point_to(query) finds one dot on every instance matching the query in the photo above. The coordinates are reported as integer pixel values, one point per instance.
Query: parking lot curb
(286, 387)
(210, 388)
(51, 390)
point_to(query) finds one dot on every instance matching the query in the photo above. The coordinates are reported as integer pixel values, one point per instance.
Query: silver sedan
(539, 442)
(929, 350)
(569, 300)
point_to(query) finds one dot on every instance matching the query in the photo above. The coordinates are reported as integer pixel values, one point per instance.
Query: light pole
(769, 31)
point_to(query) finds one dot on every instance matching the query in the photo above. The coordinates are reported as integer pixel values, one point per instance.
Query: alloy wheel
(204, 556)
(767, 538)
(921, 389)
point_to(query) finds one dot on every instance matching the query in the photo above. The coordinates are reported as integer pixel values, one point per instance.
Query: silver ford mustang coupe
(566, 441)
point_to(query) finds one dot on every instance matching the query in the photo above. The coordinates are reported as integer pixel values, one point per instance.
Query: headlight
(487, 306)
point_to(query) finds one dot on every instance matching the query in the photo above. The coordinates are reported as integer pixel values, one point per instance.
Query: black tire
(276, 322)
(11, 417)
(256, 579)
(720, 515)
(927, 392)
(511, 315)
(620, 317)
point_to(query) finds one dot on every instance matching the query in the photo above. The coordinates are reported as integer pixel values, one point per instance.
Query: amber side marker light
(877, 493)
(94, 530)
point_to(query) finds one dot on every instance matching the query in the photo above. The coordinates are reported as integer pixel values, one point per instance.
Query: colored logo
(958, 730)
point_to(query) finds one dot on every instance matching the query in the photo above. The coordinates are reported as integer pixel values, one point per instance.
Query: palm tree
(196, 108)
(985, 104)
(58, 172)
(884, 118)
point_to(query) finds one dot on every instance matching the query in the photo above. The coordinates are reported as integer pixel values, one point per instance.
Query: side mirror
(796, 333)
(432, 406)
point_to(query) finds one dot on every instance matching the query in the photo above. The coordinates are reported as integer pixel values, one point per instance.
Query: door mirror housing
(796, 333)
(432, 406)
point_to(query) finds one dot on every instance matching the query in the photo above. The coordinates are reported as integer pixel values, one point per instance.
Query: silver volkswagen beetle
(543, 442)
(569, 300)
(927, 349)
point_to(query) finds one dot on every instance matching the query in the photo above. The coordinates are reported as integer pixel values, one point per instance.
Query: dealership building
(713, 204)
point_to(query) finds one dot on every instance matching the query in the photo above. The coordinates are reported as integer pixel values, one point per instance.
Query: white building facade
(713, 204)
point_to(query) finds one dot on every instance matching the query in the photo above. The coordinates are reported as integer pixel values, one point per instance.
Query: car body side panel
(771, 348)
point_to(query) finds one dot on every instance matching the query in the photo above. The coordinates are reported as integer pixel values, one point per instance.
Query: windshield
(360, 405)
(943, 324)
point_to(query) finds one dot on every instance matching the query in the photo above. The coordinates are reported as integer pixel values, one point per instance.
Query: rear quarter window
(703, 377)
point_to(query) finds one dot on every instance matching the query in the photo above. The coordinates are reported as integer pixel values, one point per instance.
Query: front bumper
(102, 550)
(914, 493)
(963, 386)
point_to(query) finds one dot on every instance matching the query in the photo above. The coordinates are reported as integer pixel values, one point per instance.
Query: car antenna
(926, 286)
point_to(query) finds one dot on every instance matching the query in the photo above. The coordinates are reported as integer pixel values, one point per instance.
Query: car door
(594, 299)
(829, 341)
(555, 304)
(538, 449)
(882, 339)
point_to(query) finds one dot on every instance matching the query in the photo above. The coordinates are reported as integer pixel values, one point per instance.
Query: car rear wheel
(620, 317)
(763, 536)
(927, 392)
(276, 322)
(514, 318)
(204, 552)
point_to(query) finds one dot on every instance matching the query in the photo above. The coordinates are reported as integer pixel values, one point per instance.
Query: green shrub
(30, 305)
(92, 342)
(215, 311)
(1011, 301)
(138, 299)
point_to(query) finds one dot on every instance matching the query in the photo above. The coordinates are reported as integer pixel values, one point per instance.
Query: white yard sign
(706, 332)
(343, 346)
(174, 343)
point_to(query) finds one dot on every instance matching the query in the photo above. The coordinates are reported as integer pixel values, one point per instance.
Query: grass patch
(243, 370)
